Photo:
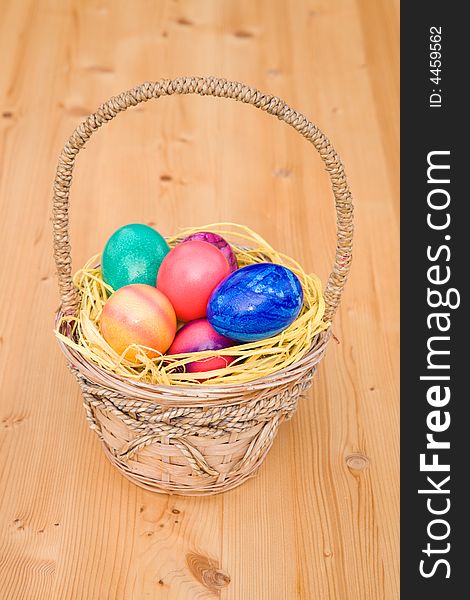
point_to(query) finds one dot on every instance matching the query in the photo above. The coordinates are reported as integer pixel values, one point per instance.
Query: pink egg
(138, 314)
(219, 242)
(197, 336)
(188, 275)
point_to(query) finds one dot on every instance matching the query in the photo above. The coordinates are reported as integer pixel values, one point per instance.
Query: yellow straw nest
(253, 360)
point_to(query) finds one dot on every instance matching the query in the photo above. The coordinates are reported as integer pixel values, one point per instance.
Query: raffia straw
(253, 360)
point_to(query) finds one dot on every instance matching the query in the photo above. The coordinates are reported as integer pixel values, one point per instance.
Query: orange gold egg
(138, 314)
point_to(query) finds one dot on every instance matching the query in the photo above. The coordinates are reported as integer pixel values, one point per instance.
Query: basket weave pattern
(194, 440)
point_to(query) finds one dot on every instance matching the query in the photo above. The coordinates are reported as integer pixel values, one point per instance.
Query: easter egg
(255, 302)
(197, 336)
(133, 254)
(218, 241)
(187, 276)
(138, 314)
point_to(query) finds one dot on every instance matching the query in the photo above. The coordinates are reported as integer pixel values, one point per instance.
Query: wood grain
(321, 520)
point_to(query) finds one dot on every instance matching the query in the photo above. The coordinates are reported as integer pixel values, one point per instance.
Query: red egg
(197, 336)
(187, 276)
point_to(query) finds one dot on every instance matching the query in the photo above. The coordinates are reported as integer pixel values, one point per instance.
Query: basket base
(192, 442)
(162, 487)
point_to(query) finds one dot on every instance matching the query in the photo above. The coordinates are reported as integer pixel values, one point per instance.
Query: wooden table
(320, 521)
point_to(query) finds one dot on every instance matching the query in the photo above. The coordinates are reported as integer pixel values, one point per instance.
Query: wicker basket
(205, 439)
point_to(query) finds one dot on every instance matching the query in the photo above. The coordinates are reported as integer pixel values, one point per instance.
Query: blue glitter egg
(255, 302)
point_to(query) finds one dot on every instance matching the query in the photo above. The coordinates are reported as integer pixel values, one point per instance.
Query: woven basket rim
(174, 394)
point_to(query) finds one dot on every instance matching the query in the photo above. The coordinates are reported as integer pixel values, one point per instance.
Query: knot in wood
(357, 462)
(207, 571)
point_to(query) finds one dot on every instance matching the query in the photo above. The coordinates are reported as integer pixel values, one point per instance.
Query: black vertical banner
(435, 323)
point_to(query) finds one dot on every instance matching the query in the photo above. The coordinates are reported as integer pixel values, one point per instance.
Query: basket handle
(205, 86)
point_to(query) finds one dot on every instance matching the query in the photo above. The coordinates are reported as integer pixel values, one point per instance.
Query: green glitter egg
(133, 254)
